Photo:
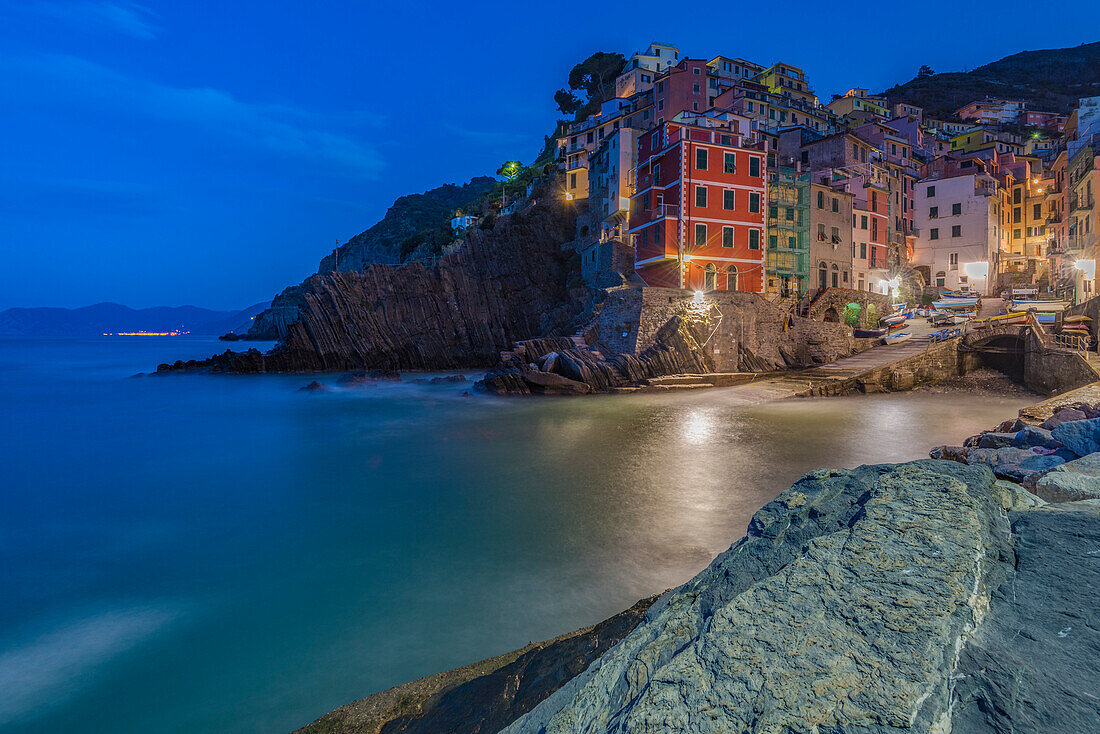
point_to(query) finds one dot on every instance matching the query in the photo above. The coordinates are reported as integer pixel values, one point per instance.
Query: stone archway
(831, 316)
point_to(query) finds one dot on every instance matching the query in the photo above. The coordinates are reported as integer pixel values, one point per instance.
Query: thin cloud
(294, 134)
(127, 18)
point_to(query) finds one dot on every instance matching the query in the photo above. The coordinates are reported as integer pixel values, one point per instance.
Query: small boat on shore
(869, 333)
(1043, 306)
(955, 303)
(896, 320)
(897, 338)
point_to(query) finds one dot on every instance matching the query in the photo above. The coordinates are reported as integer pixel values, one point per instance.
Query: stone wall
(835, 299)
(1051, 371)
(606, 264)
(745, 332)
(939, 362)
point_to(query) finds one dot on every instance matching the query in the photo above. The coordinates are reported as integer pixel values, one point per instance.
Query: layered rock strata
(505, 284)
(844, 609)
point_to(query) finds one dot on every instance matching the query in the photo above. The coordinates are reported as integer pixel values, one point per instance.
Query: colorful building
(697, 214)
(830, 238)
(788, 255)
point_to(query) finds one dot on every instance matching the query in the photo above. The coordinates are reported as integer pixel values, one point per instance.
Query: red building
(697, 216)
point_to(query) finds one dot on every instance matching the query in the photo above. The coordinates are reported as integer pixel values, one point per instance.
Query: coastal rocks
(548, 383)
(1062, 416)
(842, 609)
(1082, 437)
(1031, 436)
(1031, 665)
(1014, 498)
(504, 284)
(485, 696)
(1072, 481)
(675, 350)
(315, 387)
(1029, 454)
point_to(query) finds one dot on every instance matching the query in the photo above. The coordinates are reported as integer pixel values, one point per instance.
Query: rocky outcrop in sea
(505, 284)
(1057, 459)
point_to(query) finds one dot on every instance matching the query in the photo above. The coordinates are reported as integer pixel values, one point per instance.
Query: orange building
(697, 217)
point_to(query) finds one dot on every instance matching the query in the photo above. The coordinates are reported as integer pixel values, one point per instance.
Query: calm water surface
(225, 554)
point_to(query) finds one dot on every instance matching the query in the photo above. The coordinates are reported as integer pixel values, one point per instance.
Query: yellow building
(787, 80)
(857, 100)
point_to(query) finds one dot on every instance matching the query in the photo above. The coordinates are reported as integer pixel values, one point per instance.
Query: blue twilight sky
(211, 151)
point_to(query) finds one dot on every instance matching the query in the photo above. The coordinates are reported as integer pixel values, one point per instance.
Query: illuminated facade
(697, 214)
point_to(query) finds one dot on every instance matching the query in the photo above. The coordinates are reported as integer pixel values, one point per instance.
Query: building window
(931, 191)
(701, 196)
(821, 200)
(572, 180)
(933, 212)
(862, 250)
(754, 239)
(790, 214)
(1037, 211)
(934, 233)
(730, 159)
(1015, 234)
(727, 236)
(660, 105)
(754, 167)
(940, 279)
(695, 88)
(710, 275)
(836, 205)
(956, 230)
(731, 278)
(754, 201)
(953, 260)
(728, 199)
(956, 209)
(863, 221)
(1016, 215)
(700, 235)
(701, 159)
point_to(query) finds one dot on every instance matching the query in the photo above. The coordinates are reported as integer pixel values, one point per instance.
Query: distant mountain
(410, 215)
(113, 317)
(1051, 80)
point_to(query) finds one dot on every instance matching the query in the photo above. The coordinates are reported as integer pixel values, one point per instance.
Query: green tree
(568, 102)
(925, 71)
(510, 169)
(594, 78)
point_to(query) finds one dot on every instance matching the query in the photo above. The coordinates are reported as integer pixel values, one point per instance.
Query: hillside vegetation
(1050, 80)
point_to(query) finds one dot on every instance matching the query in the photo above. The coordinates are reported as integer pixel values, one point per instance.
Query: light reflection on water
(312, 548)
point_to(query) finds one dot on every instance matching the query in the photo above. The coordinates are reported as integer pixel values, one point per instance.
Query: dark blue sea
(215, 554)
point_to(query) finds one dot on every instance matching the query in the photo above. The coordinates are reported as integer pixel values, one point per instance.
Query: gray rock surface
(1072, 481)
(997, 440)
(1032, 665)
(1013, 497)
(1062, 416)
(1031, 436)
(842, 610)
(1082, 437)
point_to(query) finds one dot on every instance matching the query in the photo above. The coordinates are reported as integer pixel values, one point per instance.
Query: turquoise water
(226, 554)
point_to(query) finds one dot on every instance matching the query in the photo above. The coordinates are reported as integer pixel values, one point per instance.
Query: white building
(958, 231)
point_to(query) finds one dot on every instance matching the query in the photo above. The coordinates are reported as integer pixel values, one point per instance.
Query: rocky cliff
(409, 215)
(506, 283)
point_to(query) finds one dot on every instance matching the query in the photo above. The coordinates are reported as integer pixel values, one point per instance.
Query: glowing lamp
(624, 203)
(978, 271)
(568, 196)
(698, 300)
(1088, 267)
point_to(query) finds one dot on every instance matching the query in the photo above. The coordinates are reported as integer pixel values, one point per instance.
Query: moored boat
(868, 333)
(898, 338)
(1043, 306)
(955, 303)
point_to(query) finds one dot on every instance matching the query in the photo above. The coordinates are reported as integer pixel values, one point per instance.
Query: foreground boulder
(1032, 665)
(842, 610)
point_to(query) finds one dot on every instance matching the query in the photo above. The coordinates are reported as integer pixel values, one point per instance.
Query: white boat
(952, 303)
(898, 338)
(895, 320)
(958, 294)
(1041, 306)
